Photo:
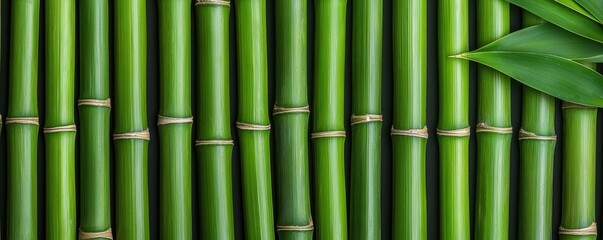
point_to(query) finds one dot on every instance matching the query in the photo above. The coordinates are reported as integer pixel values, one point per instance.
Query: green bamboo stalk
(409, 134)
(22, 135)
(214, 144)
(253, 121)
(131, 132)
(95, 111)
(294, 217)
(537, 149)
(175, 121)
(329, 132)
(365, 191)
(453, 126)
(59, 126)
(494, 131)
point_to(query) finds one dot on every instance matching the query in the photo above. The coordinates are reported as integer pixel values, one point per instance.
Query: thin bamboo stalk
(214, 144)
(328, 135)
(494, 131)
(453, 126)
(175, 121)
(95, 110)
(365, 191)
(409, 134)
(294, 217)
(131, 132)
(22, 135)
(253, 121)
(537, 151)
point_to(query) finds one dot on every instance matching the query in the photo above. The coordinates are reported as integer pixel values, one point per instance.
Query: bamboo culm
(131, 134)
(291, 116)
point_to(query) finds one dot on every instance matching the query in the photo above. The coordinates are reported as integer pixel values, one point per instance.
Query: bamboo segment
(328, 135)
(537, 148)
(365, 192)
(494, 131)
(131, 133)
(22, 123)
(291, 115)
(95, 109)
(253, 122)
(409, 134)
(214, 144)
(59, 128)
(175, 121)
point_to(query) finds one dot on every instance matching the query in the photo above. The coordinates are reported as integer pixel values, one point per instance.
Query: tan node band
(163, 120)
(276, 110)
(525, 135)
(107, 234)
(328, 134)
(23, 120)
(213, 142)
(308, 227)
(213, 2)
(420, 133)
(590, 230)
(95, 102)
(462, 132)
(483, 127)
(252, 127)
(570, 105)
(143, 135)
(68, 128)
(365, 119)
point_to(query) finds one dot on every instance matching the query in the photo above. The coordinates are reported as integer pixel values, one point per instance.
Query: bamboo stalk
(95, 109)
(494, 131)
(131, 132)
(537, 149)
(175, 120)
(214, 144)
(294, 217)
(365, 192)
(253, 121)
(328, 135)
(409, 134)
(22, 135)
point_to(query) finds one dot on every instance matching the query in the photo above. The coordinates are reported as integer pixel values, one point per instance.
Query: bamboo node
(107, 234)
(252, 127)
(95, 102)
(420, 133)
(296, 228)
(357, 119)
(276, 110)
(483, 127)
(23, 120)
(570, 105)
(213, 142)
(213, 2)
(461, 132)
(144, 135)
(163, 120)
(328, 134)
(590, 230)
(67, 128)
(525, 135)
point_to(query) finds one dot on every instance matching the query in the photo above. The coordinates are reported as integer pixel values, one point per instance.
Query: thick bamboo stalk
(328, 135)
(214, 141)
(22, 122)
(131, 133)
(537, 149)
(294, 217)
(59, 126)
(95, 109)
(253, 121)
(494, 131)
(409, 134)
(453, 127)
(175, 120)
(365, 189)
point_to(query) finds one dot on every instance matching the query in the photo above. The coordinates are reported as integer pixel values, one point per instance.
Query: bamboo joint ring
(252, 127)
(95, 102)
(525, 135)
(213, 142)
(461, 132)
(143, 135)
(328, 134)
(107, 234)
(296, 228)
(587, 231)
(367, 118)
(420, 133)
(213, 2)
(59, 129)
(276, 110)
(483, 127)
(163, 120)
(23, 120)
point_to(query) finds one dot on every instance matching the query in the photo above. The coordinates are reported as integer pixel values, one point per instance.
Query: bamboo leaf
(556, 76)
(573, 5)
(594, 7)
(564, 17)
(549, 39)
